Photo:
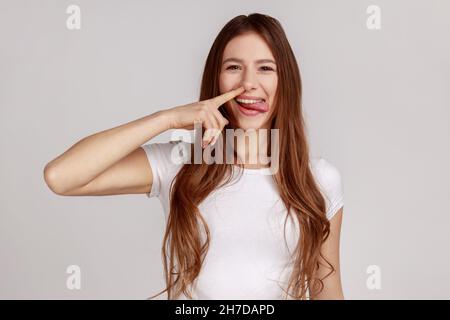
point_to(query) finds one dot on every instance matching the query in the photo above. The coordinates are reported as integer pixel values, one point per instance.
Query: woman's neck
(251, 148)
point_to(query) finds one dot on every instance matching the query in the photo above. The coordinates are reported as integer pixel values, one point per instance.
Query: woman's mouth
(251, 107)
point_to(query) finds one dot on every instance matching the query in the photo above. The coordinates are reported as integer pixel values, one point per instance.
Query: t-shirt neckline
(258, 171)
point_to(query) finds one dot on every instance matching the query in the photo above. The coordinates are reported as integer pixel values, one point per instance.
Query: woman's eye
(236, 67)
(266, 68)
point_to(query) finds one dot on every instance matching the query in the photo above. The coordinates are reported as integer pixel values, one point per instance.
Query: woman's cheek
(226, 83)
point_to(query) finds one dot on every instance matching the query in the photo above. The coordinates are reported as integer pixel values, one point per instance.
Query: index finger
(220, 100)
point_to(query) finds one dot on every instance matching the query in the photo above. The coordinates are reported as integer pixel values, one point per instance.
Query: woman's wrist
(164, 118)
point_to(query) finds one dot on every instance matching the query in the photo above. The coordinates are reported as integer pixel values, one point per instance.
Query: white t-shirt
(248, 256)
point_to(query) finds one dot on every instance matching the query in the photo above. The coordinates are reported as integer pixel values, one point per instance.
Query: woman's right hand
(206, 112)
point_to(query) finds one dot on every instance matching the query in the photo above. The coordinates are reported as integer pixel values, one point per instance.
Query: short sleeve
(331, 183)
(164, 159)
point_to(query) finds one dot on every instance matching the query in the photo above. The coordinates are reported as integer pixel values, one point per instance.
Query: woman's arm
(115, 148)
(332, 284)
(112, 162)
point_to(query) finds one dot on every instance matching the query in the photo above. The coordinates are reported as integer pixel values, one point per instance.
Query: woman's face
(248, 62)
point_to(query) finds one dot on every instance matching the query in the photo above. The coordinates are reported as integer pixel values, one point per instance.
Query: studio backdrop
(376, 99)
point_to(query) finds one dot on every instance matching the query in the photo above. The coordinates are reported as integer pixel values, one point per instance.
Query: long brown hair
(183, 247)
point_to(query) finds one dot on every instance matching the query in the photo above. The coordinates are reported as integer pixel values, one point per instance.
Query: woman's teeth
(248, 101)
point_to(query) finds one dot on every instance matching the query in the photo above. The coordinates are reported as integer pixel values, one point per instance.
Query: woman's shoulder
(329, 179)
(166, 159)
(324, 170)
(170, 154)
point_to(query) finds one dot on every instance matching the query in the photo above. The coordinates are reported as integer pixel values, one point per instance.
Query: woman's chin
(249, 125)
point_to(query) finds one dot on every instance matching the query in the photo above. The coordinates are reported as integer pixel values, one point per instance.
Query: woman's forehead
(248, 48)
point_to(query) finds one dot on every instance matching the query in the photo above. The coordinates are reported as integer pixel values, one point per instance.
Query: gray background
(377, 103)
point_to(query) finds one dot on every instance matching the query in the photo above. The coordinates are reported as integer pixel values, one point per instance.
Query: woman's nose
(248, 81)
(248, 86)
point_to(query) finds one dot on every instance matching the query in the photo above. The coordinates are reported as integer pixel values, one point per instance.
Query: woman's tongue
(260, 106)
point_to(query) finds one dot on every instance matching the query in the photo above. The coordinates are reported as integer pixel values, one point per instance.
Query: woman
(232, 231)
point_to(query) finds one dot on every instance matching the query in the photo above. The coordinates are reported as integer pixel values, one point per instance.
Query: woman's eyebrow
(241, 61)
